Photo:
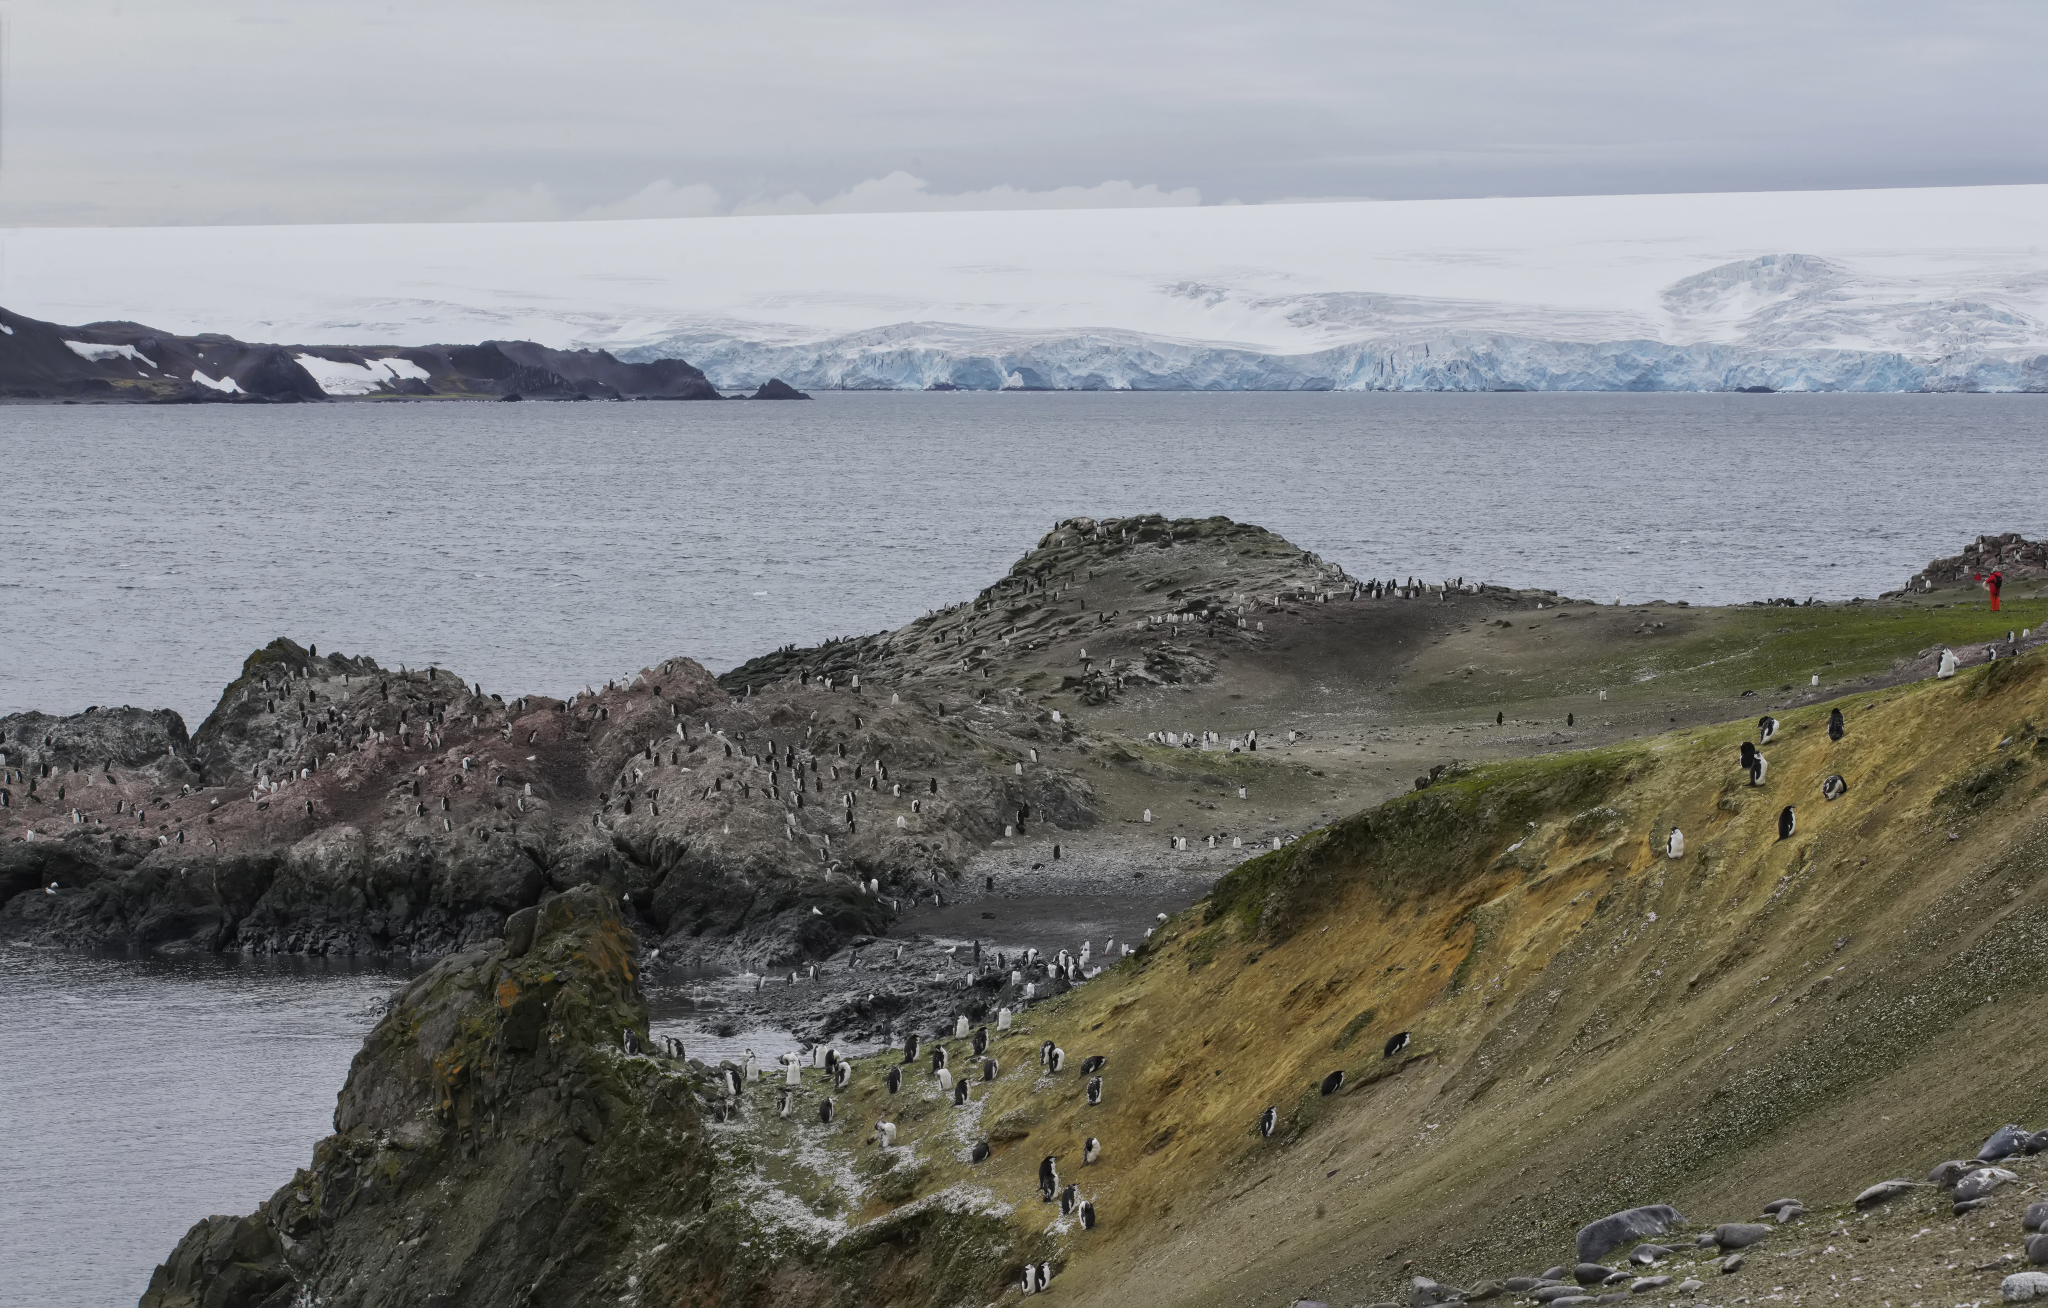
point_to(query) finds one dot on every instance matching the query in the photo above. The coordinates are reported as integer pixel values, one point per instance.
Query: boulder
(2006, 1141)
(1425, 1293)
(1947, 1174)
(1884, 1192)
(1644, 1255)
(1591, 1273)
(2037, 1250)
(2035, 1217)
(1739, 1235)
(2024, 1287)
(1597, 1239)
(1731, 1264)
(1772, 1208)
(1643, 1283)
(1977, 1184)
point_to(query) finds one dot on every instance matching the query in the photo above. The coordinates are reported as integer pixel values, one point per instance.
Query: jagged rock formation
(2010, 553)
(777, 389)
(107, 361)
(801, 801)
(494, 1146)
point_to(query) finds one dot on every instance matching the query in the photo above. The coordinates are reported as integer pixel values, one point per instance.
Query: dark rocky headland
(126, 362)
(1440, 814)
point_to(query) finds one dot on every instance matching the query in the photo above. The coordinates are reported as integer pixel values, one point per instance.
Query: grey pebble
(1771, 1208)
(1591, 1273)
(2036, 1216)
(1966, 1206)
(1649, 1283)
(1690, 1285)
(1619, 1278)
(1732, 1263)
(2037, 1250)
(1645, 1254)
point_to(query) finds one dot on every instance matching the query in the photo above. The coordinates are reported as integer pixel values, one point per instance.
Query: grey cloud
(118, 111)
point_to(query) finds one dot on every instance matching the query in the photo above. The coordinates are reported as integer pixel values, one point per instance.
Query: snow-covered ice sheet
(226, 385)
(1904, 289)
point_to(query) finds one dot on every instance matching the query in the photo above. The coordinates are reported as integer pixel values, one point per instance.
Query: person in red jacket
(1992, 584)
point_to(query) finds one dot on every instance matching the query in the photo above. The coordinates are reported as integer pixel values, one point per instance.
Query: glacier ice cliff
(1784, 322)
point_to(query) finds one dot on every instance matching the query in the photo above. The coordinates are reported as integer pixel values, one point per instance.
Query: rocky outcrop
(777, 389)
(2010, 553)
(509, 1135)
(107, 361)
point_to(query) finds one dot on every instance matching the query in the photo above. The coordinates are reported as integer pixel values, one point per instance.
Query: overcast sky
(220, 111)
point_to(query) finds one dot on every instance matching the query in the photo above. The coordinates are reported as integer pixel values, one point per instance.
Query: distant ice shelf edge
(923, 356)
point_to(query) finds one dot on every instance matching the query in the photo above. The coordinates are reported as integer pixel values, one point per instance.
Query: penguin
(783, 1100)
(944, 1078)
(1091, 1151)
(1500, 719)
(1395, 1044)
(980, 1041)
(1333, 1082)
(1093, 1063)
(938, 1058)
(1836, 727)
(1094, 1091)
(1834, 788)
(1030, 1285)
(885, 1134)
(1948, 665)
(895, 1079)
(988, 1069)
(1048, 1177)
(960, 1094)
(1045, 1054)
(1269, 1121)
(832, 1060)
(732, 1082)
(1748, 756)
(1674, 844)
(980, 1152)
(1758, 768)
(1088, 1214)
(1766, 727)
(909, 1041)
(1070, 1199)
(842, 1075)
(1044, 1276)
(1058, 1061)
(825, 1112)
(1787, 823)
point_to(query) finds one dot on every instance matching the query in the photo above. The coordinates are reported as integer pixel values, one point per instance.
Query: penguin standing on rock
(1787, 823)
(1269, 1121)
(1836, 727)
(1834, 788)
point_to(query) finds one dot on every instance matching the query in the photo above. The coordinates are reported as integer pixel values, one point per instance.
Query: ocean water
(142, 1095)
(145, 551)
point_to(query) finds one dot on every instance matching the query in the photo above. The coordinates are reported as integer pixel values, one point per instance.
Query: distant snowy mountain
(1939, 289)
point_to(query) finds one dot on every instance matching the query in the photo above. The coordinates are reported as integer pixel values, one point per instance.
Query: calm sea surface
(540, 547)
(144, 552)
